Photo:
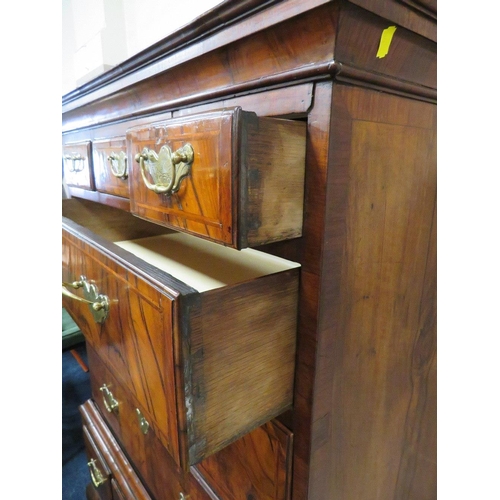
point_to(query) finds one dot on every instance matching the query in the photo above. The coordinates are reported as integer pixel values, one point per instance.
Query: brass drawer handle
(167, 169)
(110, 402)
(75, 159)
(118, 162)
(95, 474)
(143, 423)
(99, 303)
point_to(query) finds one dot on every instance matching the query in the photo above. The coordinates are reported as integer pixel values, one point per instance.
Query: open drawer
(228, 176)
(203, 336)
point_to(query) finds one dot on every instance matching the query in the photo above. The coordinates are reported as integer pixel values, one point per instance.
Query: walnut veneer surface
(362, 425)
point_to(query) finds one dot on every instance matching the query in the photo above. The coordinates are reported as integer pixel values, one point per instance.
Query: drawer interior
(199, 263)
(204, 265)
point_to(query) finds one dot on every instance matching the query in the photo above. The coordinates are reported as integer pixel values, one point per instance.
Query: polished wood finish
(164, 342)
(412, 57)
(117, 492)
(382, 186)
(291, 49)
(398, 13)
(220, 16)
(105, 180)
(258, 465)
(154, 464)
(300, 48)
(138, 348)
(119, 466)
(77, 165)
(101, 471)
(246, 181)
(364, 403)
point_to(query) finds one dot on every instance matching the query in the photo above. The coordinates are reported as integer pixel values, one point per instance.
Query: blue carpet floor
(75, 391)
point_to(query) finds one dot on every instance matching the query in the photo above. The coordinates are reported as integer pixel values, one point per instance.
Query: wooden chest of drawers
(253, 227)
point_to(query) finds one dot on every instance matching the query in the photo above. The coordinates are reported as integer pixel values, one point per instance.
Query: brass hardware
(75, 158)
(95, 474)
(118, 162)
(167, 169)
(110, 402)
(74, 284)
(99, 304)
(143, 423)
(183, 497)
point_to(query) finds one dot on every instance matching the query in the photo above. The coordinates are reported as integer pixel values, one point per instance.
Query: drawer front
(111, 166)
(203, 203)
(77, 165)
(135, 339)
(121, 475)
(108, 394)
(228, 176)
(135, 429)
(257, 465)
(100, 474)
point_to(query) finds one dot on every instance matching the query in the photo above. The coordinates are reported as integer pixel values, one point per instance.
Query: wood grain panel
(136, 337)
(258, 465)
(148, 455)
(228, 22)
(77, 165)
(203, 205)
(410, 57)
(379, 303)
(310, 254)
(119, 465)
(244, 368)
(285, 102)
(273, 163)
(428, 7)
(397, 12)
(300, 43)
(105, 180)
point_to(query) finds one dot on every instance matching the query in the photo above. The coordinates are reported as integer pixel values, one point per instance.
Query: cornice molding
(216, 19)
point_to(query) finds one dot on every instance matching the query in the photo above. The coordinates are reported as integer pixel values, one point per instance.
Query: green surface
(71, 334)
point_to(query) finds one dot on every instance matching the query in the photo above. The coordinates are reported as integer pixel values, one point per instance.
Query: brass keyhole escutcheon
(110, 402)
(143, 423)
(95, 474)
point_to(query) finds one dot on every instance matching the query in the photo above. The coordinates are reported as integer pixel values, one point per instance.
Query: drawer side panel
(242, 354)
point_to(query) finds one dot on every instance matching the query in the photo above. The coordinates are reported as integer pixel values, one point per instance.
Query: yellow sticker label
(385, 41)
